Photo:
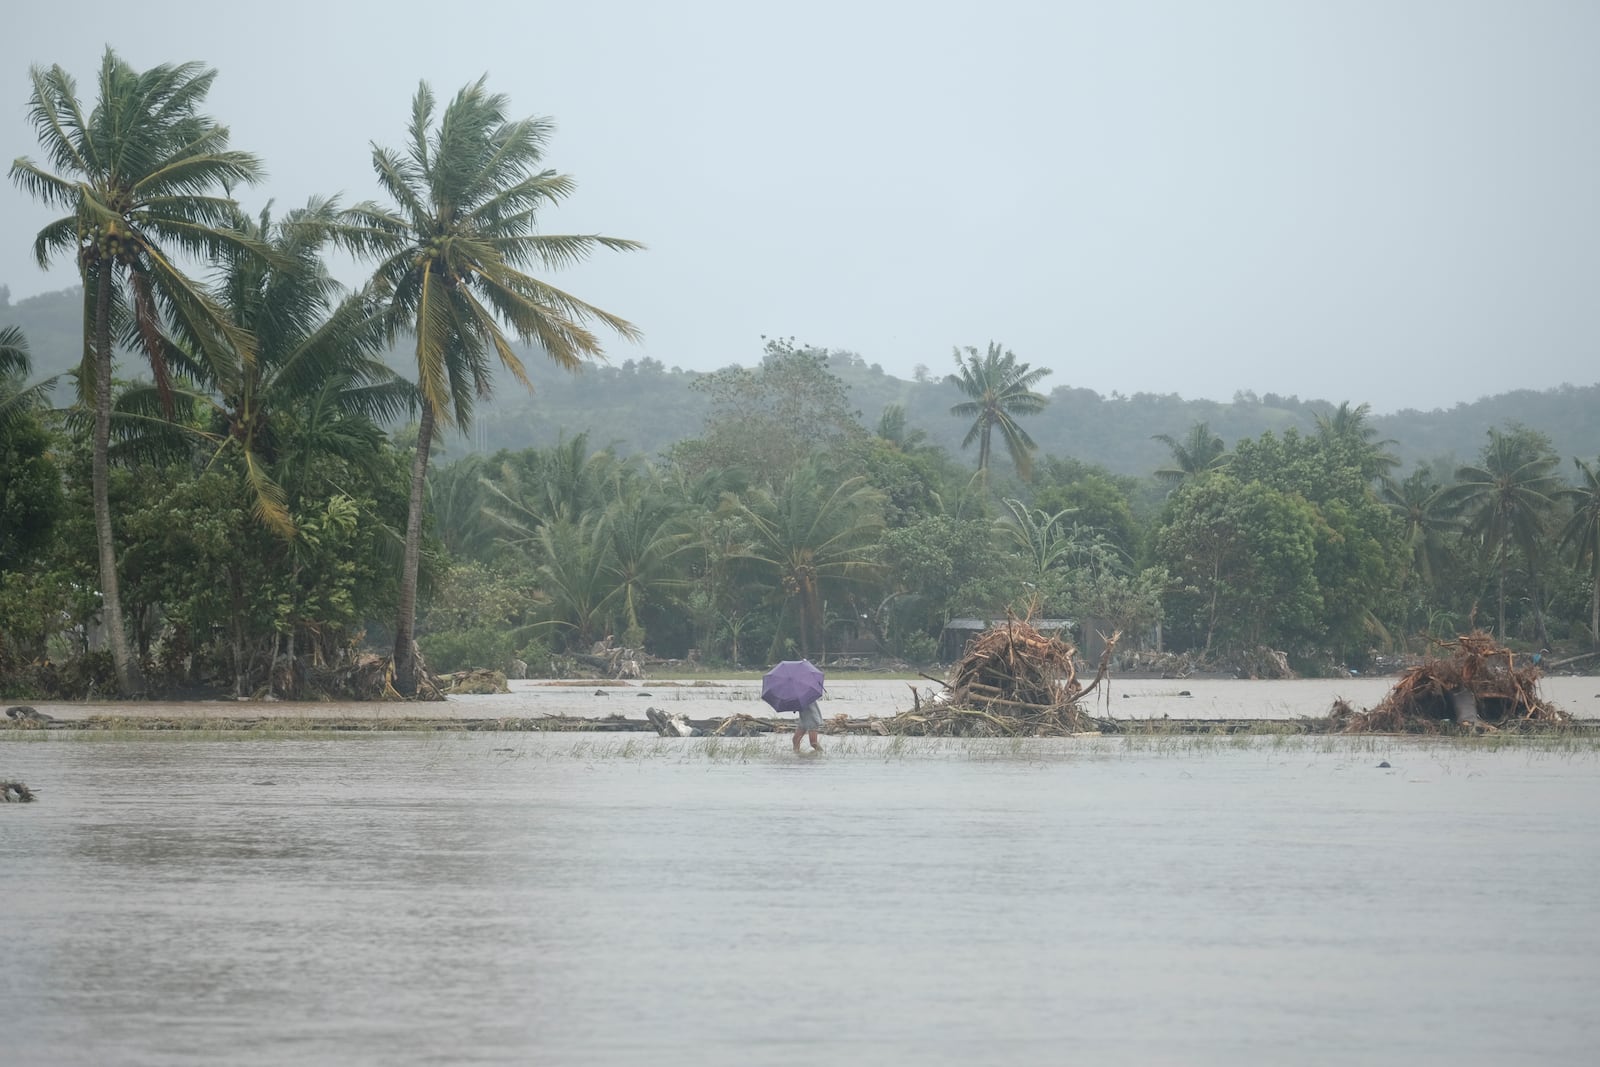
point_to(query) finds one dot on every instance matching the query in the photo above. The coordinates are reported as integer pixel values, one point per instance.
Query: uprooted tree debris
(1012, 681)
(1479, 686)
(15, 793)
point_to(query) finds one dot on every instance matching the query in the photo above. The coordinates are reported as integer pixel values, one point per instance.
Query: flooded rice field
(591, 899)
(1204, 698)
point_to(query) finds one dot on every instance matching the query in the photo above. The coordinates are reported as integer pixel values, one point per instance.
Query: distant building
(957, 632)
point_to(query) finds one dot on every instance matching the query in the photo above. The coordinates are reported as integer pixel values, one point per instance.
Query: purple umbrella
(791, 685)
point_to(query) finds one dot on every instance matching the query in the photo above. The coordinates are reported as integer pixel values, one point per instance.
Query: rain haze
(1382, 202)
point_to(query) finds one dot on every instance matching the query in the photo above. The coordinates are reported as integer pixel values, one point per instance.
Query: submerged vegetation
(246, 496)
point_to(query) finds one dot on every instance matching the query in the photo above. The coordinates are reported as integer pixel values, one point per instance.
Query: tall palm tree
(1200, 451)
(576, 576)
(1506, 500)
(814, 537)
(1348, 426)
(18, 401)
(14, 353)
(892, 428)
(997, 388)
(316, 384)
(458, 497)
(454, 252)
(138, 177)
(646, 539)
(1427, 521)
(1582, 535)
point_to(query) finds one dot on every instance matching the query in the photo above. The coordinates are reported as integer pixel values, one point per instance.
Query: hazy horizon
(1368, 202)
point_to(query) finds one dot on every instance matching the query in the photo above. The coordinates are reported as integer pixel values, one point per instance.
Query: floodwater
(594, 899)
(1200, 698)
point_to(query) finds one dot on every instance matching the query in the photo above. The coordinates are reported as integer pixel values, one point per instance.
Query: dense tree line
(240, 511)
(640, 404)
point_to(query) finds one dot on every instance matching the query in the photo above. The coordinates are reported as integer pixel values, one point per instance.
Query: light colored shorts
(811, 717)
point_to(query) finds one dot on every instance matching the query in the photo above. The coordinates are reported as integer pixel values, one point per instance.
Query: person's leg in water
(799, 732)
(814, 746)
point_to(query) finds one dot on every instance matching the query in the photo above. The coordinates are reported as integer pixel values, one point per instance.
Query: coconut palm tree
(646, 538)
(454, 252)
(1427, 521)
(997, 388)
(576, 575)
(1582, 535)
(1348, 426)
(1506, 500)
(813, 538)
(14, 353)
(18, 401)
(1200, 451)
(143, 177)
(316, 384)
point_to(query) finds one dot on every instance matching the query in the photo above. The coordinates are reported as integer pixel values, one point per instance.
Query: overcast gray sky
(1390, 201)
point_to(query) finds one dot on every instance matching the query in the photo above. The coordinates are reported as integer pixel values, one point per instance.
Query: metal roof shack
(957, 632)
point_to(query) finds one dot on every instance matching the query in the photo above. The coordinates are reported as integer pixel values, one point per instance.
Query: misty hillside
(644, 406)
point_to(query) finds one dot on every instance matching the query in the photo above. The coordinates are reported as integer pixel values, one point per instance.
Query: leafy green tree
(1357, 544)
(1098, 499)
(1245, 555)
(1507, 499)
(1581, 534)
(998, 389)
(138, 176)
(1118, 599)
(769, 420)
(455, 251)
(478, 616)
(1194, 455)
(937, 567)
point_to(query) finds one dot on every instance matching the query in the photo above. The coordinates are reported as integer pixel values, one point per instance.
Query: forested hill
(644, 406)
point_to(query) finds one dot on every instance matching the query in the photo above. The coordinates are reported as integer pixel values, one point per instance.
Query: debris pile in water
(1479, 685)
(1012, 681)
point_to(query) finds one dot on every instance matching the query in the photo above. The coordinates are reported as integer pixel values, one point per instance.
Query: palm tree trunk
(129, 681)
(1594, 613)
(405, 647)
(1501, 593)
(1540, 632)
(1211, 622)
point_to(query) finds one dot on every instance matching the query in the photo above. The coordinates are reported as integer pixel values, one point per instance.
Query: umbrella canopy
(792, 684)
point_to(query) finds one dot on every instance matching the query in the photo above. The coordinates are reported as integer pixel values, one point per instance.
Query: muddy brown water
(593, 899)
